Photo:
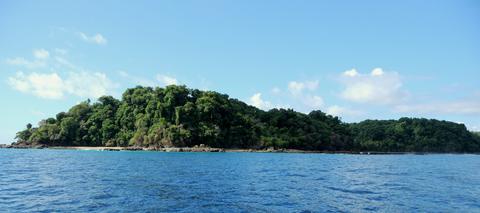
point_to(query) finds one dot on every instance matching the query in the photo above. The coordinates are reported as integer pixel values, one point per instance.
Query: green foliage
(178, 116)
(25, 134)
(413, 135)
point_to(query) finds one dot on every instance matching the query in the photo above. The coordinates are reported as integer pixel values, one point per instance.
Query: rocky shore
(21, 146)
(203, 148)
(198, 148)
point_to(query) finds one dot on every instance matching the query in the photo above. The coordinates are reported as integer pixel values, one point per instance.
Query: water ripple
(81, 181)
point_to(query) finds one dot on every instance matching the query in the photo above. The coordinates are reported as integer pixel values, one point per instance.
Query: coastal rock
(191, 149)
(5, 146)
(26, 146)
(133, 148)
(39, 146)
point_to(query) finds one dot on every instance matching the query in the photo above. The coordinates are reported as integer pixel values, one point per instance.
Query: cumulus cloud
(167, 80)
(85, 84)
(97, 38)
(53, 86)
(49, 86)
(350, 73)
(303, 93)
(377, 72)
(46, 82)
(297, 88)
(378, 87)
(256, 100)
(336, 110)
(300, 94)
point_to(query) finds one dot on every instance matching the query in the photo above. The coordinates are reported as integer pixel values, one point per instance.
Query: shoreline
(210, 149)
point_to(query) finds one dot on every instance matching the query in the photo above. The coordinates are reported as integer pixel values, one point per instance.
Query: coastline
(210, 149)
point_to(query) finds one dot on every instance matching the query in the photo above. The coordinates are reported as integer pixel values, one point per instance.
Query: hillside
(177, 116)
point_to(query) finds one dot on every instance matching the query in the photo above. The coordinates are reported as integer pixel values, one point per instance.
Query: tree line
(177, 116)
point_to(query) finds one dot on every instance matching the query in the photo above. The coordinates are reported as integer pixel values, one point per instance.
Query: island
(182, 119)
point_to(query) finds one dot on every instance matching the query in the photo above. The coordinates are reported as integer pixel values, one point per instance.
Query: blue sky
(354, 59)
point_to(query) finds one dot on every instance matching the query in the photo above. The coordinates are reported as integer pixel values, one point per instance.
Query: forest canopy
(177, 116)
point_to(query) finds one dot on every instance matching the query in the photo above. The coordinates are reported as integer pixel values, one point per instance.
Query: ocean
(129, 181)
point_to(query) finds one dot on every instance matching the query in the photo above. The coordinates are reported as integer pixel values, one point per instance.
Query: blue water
(80, 181)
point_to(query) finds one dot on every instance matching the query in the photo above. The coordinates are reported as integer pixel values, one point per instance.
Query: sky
(353, 59)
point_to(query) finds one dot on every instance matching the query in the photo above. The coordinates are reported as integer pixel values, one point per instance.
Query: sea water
(79, 181)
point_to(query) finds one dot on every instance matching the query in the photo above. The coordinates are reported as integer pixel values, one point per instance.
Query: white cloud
(301, 95)
(297, 88)
(256, 100)
(52, 86)
(377, 88)
(166, 80)
(350, 73)
(49, 86)
(97, 38)
(377, 72)
(91, 85)
(336, 110)
(75, 81)
(41, 54)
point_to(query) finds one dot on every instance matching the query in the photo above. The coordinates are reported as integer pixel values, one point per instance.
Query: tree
(178, 116)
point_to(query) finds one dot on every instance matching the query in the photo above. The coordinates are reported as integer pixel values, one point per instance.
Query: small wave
(351, 191)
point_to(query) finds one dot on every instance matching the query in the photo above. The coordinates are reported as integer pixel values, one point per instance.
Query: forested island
(177, 116)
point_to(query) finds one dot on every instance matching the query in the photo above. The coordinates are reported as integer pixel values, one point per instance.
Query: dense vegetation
(178, 116)
(421, 135)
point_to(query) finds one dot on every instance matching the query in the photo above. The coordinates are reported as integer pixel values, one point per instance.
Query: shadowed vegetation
(176, 116)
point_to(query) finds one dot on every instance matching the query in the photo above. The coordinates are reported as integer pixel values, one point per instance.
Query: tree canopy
(177, 116)
(413, 135)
